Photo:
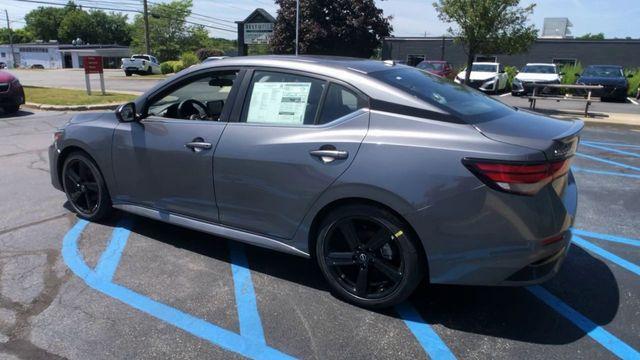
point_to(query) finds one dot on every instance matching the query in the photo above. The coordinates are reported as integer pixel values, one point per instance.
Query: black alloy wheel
(85, 188)
(367, 258)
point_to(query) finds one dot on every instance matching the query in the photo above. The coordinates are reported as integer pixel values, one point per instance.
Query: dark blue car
(611, 77)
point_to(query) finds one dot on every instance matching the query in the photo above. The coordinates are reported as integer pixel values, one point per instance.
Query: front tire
(126, 73)
(368, 256)
(85, 187)
(12, 109)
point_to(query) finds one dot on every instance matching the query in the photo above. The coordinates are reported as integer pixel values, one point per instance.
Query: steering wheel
(192, 109)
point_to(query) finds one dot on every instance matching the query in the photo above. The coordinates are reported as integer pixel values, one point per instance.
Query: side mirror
(126, 112)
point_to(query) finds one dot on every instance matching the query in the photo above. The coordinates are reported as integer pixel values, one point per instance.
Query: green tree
(488, 26)
(77, 24)
(332, 27)
(169, 32)
(18, 36)
(590, 36)
(111, 28)
(44, 22)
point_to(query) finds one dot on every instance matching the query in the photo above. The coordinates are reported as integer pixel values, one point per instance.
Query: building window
(413, 60)
(3, 55)
(487, 58)
(33, 49)
(562, 62)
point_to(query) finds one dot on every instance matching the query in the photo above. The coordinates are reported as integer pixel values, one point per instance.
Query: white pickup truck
(141, 64)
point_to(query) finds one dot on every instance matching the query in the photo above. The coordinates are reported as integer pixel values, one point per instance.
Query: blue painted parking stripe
(607, 255)
(606, 237)
(597, 333)
(610, 144)
(248, 316)
(218, 336)
(607, 148)
(602, 172)
(110, 258)
(428, 339)
(610, 162)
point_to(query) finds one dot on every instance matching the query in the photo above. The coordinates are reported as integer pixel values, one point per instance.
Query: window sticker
(278, 102)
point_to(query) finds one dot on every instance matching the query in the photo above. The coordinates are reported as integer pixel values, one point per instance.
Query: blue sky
(615, 18)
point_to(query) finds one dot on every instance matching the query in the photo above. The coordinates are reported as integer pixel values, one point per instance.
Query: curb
(88, 107)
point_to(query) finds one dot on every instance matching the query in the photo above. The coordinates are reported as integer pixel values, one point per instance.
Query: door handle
(328, 156)
(198, 146)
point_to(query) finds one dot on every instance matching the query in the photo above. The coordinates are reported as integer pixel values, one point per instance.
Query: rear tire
(149, 71)
(85, 187)
(126, 73)
(11, 109)
(368, 256)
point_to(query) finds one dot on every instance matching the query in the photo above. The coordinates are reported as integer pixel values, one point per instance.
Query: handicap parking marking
(594, 331)
(110, 258)
(624, 145)
(610, 149)
(248, 316)
(606, 254)
(606, 237)
(423, 332)
(226, 339)
(603, 172)
(610, 162)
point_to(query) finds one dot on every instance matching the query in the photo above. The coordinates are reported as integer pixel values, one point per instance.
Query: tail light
(516, 177)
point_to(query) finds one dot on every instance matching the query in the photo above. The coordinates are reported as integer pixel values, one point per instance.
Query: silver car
(383, 173)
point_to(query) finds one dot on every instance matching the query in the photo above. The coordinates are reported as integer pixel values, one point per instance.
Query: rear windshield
(140, 57)
(603, 71)
(468, 104)
(539, 69)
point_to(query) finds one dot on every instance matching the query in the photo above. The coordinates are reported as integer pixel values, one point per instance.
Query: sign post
(93, 65)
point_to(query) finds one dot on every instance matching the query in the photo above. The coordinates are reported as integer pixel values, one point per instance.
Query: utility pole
(297, 23)
(147, 42)
(11, 58)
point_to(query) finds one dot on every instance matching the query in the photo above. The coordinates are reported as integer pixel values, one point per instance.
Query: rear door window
(339, 102)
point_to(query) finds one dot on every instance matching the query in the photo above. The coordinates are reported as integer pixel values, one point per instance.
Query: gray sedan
(383, 173)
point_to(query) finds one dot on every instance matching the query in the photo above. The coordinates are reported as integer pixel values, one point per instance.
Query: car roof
(353, 71)
(616, 66)
(540, 64)
(435, 61)
(486, 63)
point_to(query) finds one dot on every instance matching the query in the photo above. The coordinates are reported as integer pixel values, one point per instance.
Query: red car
(436, 67)
(11, 93)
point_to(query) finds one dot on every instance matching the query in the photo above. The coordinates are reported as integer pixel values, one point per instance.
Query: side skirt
(214, 229)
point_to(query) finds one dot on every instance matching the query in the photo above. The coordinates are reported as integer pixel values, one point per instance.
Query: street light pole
(12, 59)
(147, 43)
(297, 24)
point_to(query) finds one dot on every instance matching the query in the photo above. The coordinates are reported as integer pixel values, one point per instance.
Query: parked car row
(492, 77)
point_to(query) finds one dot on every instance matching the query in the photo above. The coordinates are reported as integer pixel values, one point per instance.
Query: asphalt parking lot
(137, 288)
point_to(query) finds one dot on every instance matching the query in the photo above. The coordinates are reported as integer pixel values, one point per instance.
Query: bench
(533, 99)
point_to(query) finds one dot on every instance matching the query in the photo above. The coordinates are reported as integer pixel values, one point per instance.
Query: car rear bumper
(486, 237)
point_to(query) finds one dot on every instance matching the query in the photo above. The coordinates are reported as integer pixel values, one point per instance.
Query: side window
(200, 98)
(339, 102)
(281, 98)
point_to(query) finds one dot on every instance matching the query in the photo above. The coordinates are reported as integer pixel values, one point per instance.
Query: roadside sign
(93, 65)
(257, 33)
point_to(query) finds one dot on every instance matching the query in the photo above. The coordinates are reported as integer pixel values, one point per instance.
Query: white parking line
(633, 101)
(509, 94)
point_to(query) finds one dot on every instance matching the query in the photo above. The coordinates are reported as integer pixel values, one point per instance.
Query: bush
(178, 66)
(204, 53)
(166, 67)
(634, 82)
(511, 73)
(188, 59)
(570, 77)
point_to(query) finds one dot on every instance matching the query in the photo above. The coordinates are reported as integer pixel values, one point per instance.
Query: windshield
(603, 71)
(539, 69)
(140, 57)
(468, 104)
(426, 66)
(484, 68)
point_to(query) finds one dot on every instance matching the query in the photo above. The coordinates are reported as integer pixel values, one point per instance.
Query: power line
(125, 10)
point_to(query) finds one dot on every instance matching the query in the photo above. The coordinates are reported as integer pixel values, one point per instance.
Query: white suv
(535, 73)
(485, 76)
